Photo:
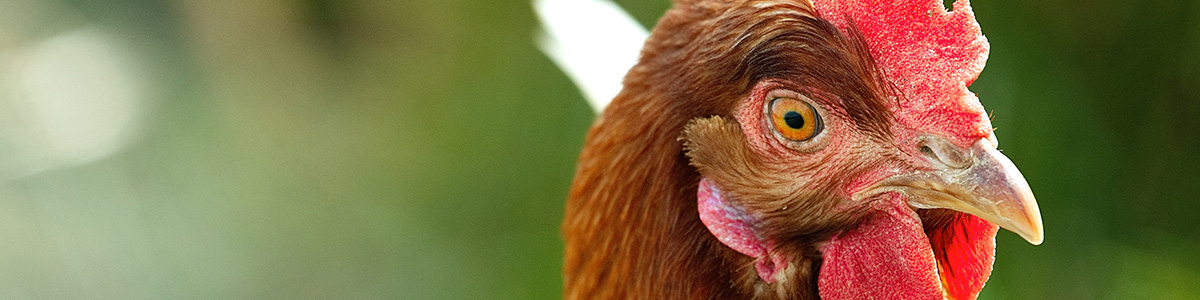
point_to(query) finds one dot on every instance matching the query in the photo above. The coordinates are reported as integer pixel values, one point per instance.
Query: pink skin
(879, 257)
(733, 227)
(888, 257)
(930, 56)
(891, 247)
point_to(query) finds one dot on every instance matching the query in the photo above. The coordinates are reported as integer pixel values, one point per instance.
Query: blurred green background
(422, 149)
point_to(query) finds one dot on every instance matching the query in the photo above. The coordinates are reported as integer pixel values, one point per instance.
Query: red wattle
(965, 250)
(888, 256)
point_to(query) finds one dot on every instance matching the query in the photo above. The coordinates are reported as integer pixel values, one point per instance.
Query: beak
(978, 181)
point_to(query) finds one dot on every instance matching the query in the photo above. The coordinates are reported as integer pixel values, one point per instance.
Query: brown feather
(631, 224)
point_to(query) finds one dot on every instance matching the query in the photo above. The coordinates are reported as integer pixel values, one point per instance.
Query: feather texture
(684, 190)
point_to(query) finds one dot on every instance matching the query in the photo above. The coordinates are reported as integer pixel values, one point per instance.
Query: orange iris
(795, 119)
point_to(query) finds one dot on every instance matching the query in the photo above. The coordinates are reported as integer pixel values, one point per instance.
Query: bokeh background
(422, 149)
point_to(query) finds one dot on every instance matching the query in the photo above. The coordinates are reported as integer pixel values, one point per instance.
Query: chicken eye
(795, 119)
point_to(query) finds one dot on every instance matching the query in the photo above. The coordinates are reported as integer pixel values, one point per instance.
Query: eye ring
(794, 119)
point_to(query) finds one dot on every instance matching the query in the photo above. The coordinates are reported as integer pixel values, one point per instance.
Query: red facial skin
(929, 56)
(691, 115)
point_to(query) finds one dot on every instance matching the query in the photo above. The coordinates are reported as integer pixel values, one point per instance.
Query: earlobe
(735, 228)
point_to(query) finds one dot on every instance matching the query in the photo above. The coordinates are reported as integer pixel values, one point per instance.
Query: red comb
(929, 54)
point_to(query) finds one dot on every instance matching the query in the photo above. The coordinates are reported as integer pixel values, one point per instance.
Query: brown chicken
(782, 149)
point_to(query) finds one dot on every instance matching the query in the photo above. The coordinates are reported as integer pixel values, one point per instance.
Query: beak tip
(1023, 205)
(1033, 233)
(1035, 240)
(1037, 232)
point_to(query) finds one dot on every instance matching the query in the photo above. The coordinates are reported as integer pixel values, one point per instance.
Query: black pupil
(793, 119)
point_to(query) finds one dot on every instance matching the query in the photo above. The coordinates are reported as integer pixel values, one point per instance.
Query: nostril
(940, 151)
(928, 151)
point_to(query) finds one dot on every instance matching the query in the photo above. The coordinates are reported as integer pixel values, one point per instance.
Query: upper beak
(978, 181)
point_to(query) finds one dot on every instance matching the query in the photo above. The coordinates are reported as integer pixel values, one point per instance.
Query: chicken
(782, 149)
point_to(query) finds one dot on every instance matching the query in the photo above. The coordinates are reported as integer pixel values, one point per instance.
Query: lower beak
(985, 184)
